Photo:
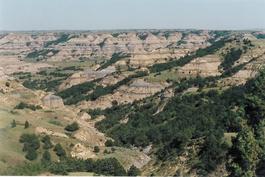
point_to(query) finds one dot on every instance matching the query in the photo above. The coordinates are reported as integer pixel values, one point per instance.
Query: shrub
(47, 142)
(23, 105)
(72, 127)
(133, 171)
(31, 155)
(109, 143)
(96, 149)
(46, 157)
(31, 144)
(59, 150)
(13, 124)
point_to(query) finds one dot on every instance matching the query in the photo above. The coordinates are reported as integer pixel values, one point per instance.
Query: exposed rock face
(3, 76)
(253, 61)
(85, 76)
(145, 48)
(137, 90)
(81, 152)
(84, 116)
(52, 101)
(42, 130)
(11, 64)
(204, 67)
(90, 136)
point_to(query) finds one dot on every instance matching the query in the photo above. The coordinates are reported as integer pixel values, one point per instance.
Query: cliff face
(144, 48)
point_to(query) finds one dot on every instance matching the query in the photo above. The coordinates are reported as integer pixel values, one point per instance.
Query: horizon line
(130, 29)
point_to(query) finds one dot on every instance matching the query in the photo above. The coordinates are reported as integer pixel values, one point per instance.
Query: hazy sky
(127, 14)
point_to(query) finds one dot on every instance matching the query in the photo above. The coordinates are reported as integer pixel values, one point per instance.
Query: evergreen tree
(261, 138)
(59, 150)
(133, 171)
(245, 151)
(31, 154)
(13, 124)
(46, 157)
(47, 142)
(26, 124)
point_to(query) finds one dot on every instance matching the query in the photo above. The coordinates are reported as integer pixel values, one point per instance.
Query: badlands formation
(100, 80)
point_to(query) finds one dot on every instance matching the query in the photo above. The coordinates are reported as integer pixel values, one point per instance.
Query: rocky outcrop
(42, 130)
(81, 152)
(145, 48)
(204, 67)
(137, 90)
(52, 101)
(90, 136)
(85, 76)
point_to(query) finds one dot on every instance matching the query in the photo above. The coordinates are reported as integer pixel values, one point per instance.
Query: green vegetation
(55, 122)
(96, 149)
(13, 124)
(94, 112)
(23, 105)
(260, 36)
(109, 143)
(142, 36)
(63, 38)
(46, 140)
(60, 152)
(78, 92)
(133, 171)
(72, 127)
(186, 59)
(114, 58)
(204, 116)
(46, 157)
(31, 144)
(41, 53)
(230, 58)
(101, 44)
(48, 79)
(26, 125)
(108, 167)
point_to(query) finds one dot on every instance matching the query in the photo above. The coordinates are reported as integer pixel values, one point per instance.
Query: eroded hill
(162, 102)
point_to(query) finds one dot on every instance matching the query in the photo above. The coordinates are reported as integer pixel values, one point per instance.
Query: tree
(13, 124)
(31, 144)
(31, 154)
(46, 156)
(47, 142)
(245, 151)
(58, 168)
(59, 150)
(72, 127)
(261, 138)
(96, 149)
(26, 124)
(133, 171)
(109, 166)
(31, 141)
(109, 143)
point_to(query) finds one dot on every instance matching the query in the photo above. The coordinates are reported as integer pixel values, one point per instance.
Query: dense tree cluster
(78, 92)
(114, 58)
(31, 144)
(186, 59)
(230, 57)
(23, 105)
(207, 115)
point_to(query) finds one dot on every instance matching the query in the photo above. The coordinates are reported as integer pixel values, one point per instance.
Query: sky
(131, 14)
